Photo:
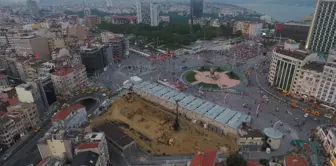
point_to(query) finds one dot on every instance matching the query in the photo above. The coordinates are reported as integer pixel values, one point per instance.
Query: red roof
(66, 111)
(125, 17)
(253, 163)
(42, 162)
(295, 161)
(63, 71)
(90, 145)
(13, 101)
(2, 113)
(205, 158)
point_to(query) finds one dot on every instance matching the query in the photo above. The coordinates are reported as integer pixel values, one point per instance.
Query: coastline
(280, 12)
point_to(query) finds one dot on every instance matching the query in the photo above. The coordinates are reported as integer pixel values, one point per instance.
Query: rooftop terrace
(294, 54)
(221, 114)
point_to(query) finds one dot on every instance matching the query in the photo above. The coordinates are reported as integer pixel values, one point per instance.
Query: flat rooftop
(221, 114)
(114, 134)
(301, 55)
(318, 67)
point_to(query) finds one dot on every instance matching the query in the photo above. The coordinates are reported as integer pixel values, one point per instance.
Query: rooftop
(50, 161)
(89, 145)
(295, 161)
(87, 158)
(204, 158)
(253, 133)
(63, 71)
(114, 134)
(294, 54)
(318, 67)
(61, 115)
(273, 133)
(253, 163)
(211, 110)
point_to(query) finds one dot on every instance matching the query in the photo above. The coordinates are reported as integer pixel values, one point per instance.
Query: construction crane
(176, 125)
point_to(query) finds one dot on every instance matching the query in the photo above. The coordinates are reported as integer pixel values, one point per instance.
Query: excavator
(129, 95)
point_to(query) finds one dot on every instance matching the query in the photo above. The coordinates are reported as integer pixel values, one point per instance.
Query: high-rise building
(154, 14)
(34, 11)
(147, 13)
(196, 9)
(116, 43)
(321, 37)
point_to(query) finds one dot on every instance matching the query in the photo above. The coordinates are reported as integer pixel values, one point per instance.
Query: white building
(255, 29)
(328, 138)
(73, 116)
(306, 76)
(147, 13)
(321, 35)
(154, 14)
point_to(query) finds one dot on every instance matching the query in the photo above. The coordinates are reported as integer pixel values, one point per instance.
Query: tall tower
(154, 14)
(33, 9)
(322, 32)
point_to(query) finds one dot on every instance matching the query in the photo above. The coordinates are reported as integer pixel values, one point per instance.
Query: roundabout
(213, 78)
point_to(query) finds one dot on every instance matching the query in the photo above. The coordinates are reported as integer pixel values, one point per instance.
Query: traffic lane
(29, 145)
(33, 157)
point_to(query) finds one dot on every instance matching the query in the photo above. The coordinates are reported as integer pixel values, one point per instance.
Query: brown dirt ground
(146, 120)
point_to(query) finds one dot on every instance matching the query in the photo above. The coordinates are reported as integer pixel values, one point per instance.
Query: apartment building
(31, 117)
(78, 31)
(92, 21)
(51, 161)
(306, 76)
(11, 128)
(87, 158)
(32, 45)
(119, 45)
(251, 29)
(95, 58)
(73, 116)
(328, 137)
(14, 66)
(68, 80)
(321, 36)
(95, 142)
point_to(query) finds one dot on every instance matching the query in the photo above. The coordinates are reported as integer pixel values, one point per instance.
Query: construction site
(161, 132)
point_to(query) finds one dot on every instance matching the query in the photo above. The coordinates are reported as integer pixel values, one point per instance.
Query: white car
(306, 115)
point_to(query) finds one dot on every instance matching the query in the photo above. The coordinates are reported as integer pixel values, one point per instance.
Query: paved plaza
(288, 120)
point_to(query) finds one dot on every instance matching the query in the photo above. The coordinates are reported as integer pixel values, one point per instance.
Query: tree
(236, 160)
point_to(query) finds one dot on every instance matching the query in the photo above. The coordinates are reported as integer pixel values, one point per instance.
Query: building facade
(78, 31)
(68, 80)
(328, 138)
(147, 13)
(32, 45)
(73, 116)
(33, 9)
(11, 129)
(92, 21)
(95, 58)
(321, 37)
(29, 110)
(306, 76)
(196, 8)
(292, 30)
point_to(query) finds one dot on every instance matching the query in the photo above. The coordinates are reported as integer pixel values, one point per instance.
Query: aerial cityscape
(167, 83)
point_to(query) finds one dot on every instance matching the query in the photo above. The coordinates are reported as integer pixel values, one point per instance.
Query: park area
(214, 78)
(151, 127)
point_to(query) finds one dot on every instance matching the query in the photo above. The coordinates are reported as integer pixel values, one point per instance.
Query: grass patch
(208, 86)
(203, 68)
(190, 76)
(233, 75)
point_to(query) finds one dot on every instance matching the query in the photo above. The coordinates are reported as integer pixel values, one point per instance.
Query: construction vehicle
(294, 105)
(130, 95)
(170, 142)
(315, 113)
(305, 110)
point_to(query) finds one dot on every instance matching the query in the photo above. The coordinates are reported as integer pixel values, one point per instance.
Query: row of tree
(181, 33)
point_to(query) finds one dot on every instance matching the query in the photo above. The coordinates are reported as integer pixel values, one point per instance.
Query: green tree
(236, 160)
